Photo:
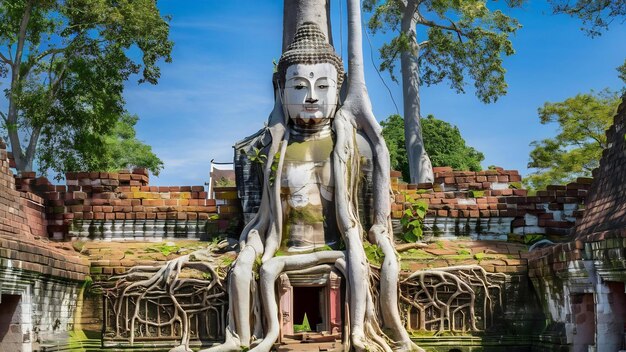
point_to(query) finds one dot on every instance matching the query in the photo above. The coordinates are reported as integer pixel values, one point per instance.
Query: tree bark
(297, 12)
(420, 167)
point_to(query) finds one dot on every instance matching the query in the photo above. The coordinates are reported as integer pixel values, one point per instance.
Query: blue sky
(218, 88)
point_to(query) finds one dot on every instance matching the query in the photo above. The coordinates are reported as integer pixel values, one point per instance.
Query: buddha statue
(308, 216)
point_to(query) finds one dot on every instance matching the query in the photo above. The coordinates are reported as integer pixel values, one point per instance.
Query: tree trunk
(22, 162)
(297, 12)
(420, 168)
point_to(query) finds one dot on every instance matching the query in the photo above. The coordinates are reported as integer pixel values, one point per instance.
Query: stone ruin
(62, 243)
(107, 261)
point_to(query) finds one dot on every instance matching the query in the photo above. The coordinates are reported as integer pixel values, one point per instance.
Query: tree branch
(456, 29)
(52, 51)
(453, 27)
(21, 37)
(5, 59)
(10, 47)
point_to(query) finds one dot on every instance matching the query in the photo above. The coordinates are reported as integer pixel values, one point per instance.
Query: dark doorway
(10, 319)
(307, 300)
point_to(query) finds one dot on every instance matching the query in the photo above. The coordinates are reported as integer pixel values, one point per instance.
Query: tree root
(448, 296)
(180, 288)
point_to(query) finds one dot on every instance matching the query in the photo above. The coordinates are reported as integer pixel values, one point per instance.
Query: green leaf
(417, 232)
(410, 237)
(415, 223)
(420, 212)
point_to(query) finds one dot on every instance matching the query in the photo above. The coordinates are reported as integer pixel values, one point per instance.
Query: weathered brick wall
(23, 241)
(606, 206)
(123, 205)
(459, 198)
(591, 266)
(43, 276)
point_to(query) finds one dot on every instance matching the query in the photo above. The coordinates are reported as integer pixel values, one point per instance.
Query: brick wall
(495, 194)
(23, 241)
(606, 206)
(94, 204)
(116, 205)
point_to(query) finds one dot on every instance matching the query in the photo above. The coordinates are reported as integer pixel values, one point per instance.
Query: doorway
(310, 301)
(10, 323)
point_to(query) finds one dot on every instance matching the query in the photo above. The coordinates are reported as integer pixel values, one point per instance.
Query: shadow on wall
(10, 332)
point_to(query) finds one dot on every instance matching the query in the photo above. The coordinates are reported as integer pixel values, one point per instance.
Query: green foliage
(309, 214)
(595, 15)
(443, 142)
(576, 149)
(78, 245)
(476, 194)
(304, 327)
(373, 253)
(67, 62)
(164, 248)
(412, 219)
(256, 156)
(393, 132)
(274, 167)
(462, 39)
(224, 182)
(515, 185)
(446, 147)
(118, 149)
(527, 239)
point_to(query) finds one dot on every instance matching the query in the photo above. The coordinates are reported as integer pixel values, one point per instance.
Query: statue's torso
(307, 194)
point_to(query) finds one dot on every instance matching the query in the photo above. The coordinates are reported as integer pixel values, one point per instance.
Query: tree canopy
(596, 15)
(577, 147)
(462, 39)
(66, 64)
(438, 40)
(118, 149)
(443, 142)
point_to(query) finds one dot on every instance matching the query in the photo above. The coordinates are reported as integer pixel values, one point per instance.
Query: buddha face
(310, 93)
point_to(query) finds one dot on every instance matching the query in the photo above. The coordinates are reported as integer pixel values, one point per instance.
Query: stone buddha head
(310, 74)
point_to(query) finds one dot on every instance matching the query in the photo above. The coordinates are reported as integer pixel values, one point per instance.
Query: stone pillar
(334, 302)
(285, 292)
